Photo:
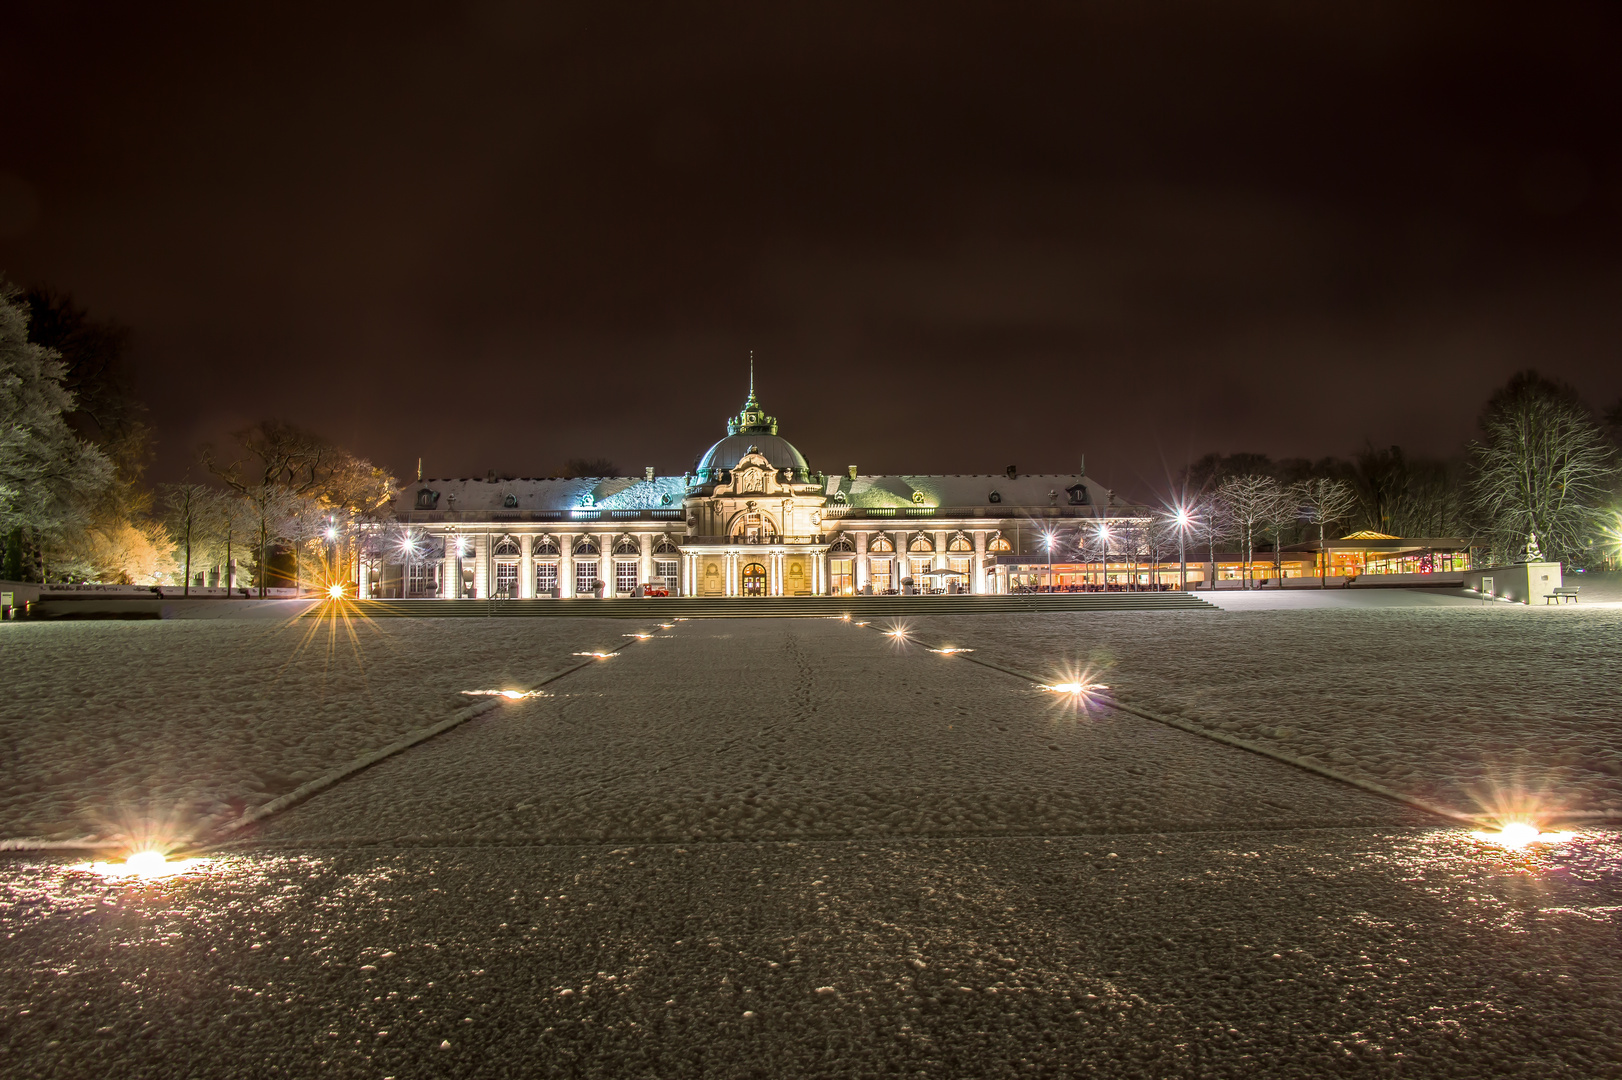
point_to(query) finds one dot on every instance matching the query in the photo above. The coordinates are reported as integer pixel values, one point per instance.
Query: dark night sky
(956, 237)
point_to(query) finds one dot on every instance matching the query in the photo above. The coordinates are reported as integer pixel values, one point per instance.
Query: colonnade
(462, 549)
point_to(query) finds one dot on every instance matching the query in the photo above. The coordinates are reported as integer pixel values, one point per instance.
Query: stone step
(862, 607)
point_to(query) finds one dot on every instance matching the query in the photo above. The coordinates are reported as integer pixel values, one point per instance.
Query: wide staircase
(737, 607)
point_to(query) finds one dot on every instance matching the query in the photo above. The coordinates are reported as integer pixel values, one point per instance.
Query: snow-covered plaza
(809, 847)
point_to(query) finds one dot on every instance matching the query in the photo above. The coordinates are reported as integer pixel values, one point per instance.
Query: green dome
(751, 429)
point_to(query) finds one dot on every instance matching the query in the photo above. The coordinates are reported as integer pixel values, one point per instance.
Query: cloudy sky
(955, 236)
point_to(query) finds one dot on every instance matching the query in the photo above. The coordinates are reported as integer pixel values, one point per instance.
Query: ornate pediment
(753, 475)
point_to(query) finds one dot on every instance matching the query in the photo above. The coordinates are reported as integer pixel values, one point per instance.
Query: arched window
(627, 545)
(998, 542)
(842, 543)
(666, 546)
(506, 548)
(427, 499)
(921, 542)
(546, 545)
(880, 543)
(960, 543)
(754, 527)
(585, 546)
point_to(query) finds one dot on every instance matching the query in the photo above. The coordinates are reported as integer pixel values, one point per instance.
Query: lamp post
(1047, 542)
(1103, 565)
(1182, 547)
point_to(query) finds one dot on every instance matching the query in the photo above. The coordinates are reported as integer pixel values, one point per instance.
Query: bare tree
(225, 526)
(1319, 501)
(186, 509)
(1543, 468)
(1250, 502)
(1208, 525)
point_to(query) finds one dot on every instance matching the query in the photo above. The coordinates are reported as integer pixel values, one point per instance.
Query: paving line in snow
(1242, 744)
(366, 761)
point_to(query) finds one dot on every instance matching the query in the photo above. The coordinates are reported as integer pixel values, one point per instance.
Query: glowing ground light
(510, 695)
(1075, 687)
(335, 592)
(861, 624)
(667, 626)
(639, 637)
(1516, 835)
(845, 617)
(143, 864)
(896, 633)
(949, 649)
(598, 655)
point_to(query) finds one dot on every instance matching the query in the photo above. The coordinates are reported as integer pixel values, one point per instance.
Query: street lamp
(1047, 542)
(1103, 577)
(1184, 519)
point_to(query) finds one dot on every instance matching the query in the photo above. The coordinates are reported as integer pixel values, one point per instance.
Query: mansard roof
(965, 489)
(476, 495)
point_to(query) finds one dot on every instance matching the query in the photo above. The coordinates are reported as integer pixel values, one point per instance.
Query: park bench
(1562, 594)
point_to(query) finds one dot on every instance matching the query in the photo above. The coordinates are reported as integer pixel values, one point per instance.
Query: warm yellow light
(335, 592)
(1075, 687)
(896, 633)
(846, 616)
(950, 649)
(143, 864)
(147, 863)
(1516, 835)
(598, 655)
(510, 695)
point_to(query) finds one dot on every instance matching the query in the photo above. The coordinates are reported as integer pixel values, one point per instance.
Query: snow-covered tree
(1320, 501)
(1543, 466)
(1251, 503)
(49, 478)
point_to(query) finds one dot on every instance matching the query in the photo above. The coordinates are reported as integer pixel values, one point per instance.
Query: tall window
(506, 580)
(625, 577)
(670, 570)
(585, 576)
(878, 573)
(546, 578)
(841, 576)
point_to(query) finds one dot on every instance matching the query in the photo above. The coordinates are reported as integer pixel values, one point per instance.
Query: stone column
(481, 566)
(448, 574)
(526, 566)
(861, 562)
(565, 564)
(647, 541)
(979, 565)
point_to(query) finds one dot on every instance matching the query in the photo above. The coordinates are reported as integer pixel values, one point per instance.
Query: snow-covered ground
(798, 848)
(107, 724)
(1481, 708)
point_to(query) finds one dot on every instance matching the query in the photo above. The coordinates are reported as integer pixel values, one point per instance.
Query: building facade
(753, 518)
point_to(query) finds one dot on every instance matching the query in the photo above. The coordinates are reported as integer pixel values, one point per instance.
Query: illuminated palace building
(753, 518)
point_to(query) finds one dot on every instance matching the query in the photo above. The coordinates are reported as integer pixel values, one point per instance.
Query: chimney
(1084, 464)
(647, 473)
(853, 472)
(419, 470)
(1010, 472)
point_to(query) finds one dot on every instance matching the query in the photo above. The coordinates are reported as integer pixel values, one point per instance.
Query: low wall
(1524, 583)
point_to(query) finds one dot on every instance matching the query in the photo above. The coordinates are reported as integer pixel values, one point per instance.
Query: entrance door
(754, 580)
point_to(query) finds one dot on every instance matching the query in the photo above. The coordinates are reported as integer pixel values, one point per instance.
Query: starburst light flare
(147, 864)
(1517, 835)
